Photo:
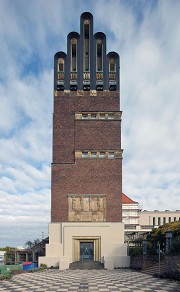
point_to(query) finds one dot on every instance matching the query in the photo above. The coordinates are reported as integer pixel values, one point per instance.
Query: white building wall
(59, 251)
(158, 218)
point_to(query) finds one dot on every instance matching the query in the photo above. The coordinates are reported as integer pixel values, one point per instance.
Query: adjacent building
(138, 223)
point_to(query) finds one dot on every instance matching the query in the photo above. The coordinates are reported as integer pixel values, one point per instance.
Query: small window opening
(93, 154)
(60, 65)
(110, 154)
(102, 154)
(102, 116)
(93, 116)
(85, 116)
(84, 154)
(110, 116)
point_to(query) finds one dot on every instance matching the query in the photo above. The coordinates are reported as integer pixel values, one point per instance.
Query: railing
(60, 75)
(86, 75)
(147, 226)
(112, 75)
(73, 76)
(130, 226)
(133, 226)
(99, 75)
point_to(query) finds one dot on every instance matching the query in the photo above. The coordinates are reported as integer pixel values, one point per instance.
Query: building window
(102, 117)
(102, 154)
(73, 55)
(110, 155)
(164, 220)
(110, 116)
(97, 115)
(93, 116)
(169, 219)
(99, 55)
(93, 154)
(85, 117)
(84, 154)
(154, 221)
(174, 219)
(60, 65)
(159, 221)
(86, 44)
(112, 65)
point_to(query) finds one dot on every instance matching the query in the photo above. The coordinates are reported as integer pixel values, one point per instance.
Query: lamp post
(144, 246)
(159, 253)
(168, 240)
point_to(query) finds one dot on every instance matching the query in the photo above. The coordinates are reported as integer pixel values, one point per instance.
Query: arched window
(60, 67)
(99, 55)
(112, 65)
(86, 63)
(73, 55)
(112, 69)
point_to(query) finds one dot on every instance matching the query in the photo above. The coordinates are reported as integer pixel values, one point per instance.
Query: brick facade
(85, 175)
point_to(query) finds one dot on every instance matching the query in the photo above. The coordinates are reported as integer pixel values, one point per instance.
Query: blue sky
(146, 34)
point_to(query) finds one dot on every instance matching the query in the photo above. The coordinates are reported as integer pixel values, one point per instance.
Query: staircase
(154, 269)
(86, 264)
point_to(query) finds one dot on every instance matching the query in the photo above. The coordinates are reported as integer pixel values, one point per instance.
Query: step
(155, 269)
(86, 265)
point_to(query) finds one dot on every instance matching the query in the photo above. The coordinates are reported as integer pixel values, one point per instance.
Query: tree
(31, 244)
(158, 235)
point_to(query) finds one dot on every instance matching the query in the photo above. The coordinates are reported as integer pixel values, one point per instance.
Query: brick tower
(87, 156)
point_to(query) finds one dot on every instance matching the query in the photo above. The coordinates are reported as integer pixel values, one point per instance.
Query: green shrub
(43, 266)
(174, 275)
(135, 251)
(5, 276)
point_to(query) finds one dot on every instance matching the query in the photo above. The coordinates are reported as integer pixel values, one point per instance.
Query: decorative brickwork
(71, 175)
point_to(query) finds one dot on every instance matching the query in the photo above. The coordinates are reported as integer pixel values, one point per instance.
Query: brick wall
(85, 176)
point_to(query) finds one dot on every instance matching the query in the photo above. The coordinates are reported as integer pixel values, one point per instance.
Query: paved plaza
(88, 280)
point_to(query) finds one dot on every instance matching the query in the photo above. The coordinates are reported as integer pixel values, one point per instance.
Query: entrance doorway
(87, 247)
(87, 250)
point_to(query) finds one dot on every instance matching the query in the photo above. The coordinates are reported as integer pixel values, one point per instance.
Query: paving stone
(87, 281)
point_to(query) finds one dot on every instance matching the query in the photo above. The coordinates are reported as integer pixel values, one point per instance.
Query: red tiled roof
(127, 200)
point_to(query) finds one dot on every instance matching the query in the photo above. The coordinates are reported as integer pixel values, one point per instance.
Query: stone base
(65, 239)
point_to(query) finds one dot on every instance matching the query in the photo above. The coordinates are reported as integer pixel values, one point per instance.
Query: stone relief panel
(87, 208)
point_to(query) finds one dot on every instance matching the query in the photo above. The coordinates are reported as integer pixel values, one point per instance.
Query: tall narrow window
(86, 45)
(99, 55)
(73, 55)
(60, 67)
(112, 65)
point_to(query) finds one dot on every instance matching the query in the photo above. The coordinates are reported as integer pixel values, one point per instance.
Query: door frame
(76, 247)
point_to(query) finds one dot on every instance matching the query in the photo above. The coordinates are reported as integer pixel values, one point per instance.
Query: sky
(146, 35)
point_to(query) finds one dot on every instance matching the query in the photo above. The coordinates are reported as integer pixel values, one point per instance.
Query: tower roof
(127, 200)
